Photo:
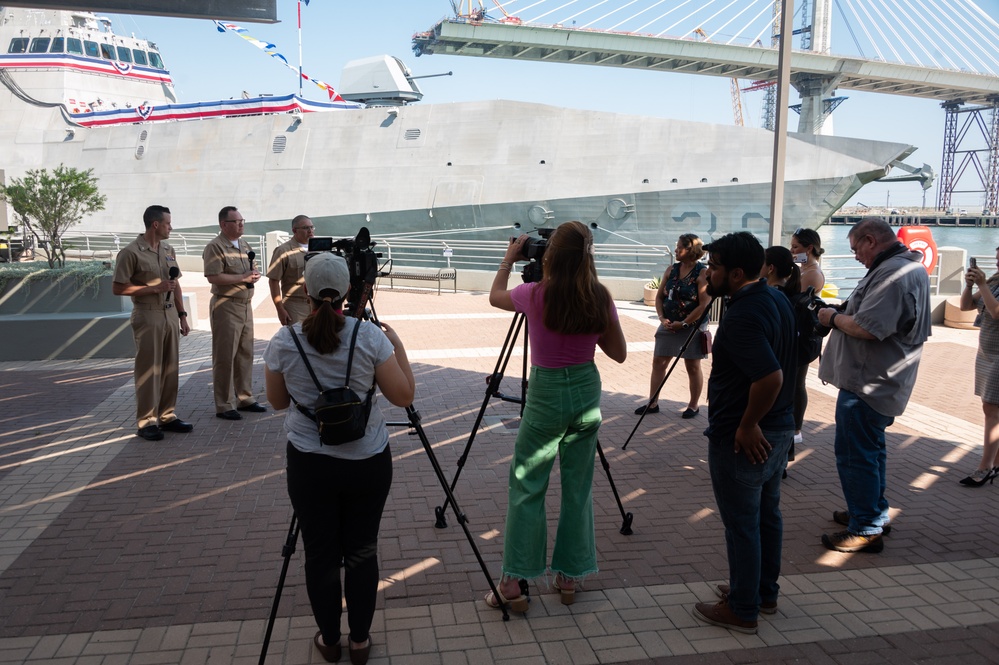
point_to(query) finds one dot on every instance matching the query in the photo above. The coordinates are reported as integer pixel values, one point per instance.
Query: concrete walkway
(117, 550)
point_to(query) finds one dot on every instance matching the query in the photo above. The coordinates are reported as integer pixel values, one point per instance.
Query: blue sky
(208, 65)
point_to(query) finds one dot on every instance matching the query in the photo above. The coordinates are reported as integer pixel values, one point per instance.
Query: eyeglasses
(233, 221)
(798, 230)
(855, 245)
(304, 228)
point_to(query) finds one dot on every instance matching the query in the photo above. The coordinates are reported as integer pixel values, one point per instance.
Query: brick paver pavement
(118, 550)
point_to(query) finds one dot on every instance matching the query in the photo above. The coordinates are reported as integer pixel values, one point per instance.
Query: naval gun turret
(379, 81)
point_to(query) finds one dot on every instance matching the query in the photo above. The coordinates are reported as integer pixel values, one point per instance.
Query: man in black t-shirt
(750, 426)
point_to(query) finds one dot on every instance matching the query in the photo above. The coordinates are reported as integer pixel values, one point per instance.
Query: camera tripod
(694, 329)
(294, 528)
(519, 320)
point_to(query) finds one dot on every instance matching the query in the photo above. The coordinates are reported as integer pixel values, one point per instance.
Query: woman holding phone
(986, 299)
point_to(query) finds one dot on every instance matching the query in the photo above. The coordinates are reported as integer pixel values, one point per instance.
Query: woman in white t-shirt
(338, 492)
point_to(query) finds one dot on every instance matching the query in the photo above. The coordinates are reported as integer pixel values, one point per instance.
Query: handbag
(705, 342)
(339, 413)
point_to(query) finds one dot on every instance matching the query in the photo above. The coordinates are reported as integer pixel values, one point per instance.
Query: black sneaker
(256, 407)
(846, 541)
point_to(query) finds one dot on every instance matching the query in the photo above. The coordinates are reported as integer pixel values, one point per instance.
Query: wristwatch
(832, 320)
(684, 325)
(181, 314)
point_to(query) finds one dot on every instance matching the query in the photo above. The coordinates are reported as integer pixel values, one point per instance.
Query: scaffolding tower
(963, 147)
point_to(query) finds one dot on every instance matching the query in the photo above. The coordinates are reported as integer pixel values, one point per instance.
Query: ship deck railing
(417, 255)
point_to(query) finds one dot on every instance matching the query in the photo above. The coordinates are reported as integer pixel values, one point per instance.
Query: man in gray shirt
(872, 356)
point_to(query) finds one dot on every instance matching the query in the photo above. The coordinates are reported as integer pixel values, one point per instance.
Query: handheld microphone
(251, 255)
(174, 274)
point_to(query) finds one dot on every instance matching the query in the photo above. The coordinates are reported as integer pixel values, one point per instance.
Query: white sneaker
(797, 439)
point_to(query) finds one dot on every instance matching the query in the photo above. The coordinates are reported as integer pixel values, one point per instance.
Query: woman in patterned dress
(986, 299)
(680, 301)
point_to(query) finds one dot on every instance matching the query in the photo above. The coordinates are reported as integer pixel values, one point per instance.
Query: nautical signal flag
(271, 50)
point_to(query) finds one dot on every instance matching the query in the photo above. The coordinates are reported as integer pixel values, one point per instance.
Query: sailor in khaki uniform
(147, 271)
(286, 274)
(231, 274)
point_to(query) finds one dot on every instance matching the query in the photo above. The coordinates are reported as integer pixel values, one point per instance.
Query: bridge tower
(815, 91)
(963, 147)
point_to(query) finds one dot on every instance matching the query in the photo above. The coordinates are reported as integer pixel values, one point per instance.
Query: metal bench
(425, 274)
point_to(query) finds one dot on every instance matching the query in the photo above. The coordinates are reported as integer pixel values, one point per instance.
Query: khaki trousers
(156, 333)
(298, 308)
(232, 352)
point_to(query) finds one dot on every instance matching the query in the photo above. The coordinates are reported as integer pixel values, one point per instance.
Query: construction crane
(736, 102)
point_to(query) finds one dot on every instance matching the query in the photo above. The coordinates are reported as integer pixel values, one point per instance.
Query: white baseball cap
(327, 272)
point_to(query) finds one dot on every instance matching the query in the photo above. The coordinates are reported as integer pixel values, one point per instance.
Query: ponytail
(322, 327)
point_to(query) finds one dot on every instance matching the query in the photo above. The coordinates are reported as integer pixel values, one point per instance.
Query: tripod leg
(414, 418)
(626, 517)
(694, 329)
(440, 512)
(286, 552)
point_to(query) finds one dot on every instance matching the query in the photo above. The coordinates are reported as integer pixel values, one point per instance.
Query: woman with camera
(337, 492)
(986, 299)
(569, 313)
(806, 246)
(680, 301)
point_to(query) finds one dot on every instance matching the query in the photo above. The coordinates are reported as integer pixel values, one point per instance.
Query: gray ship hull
(451, 167)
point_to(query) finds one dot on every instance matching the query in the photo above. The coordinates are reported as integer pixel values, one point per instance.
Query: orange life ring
(920, 238)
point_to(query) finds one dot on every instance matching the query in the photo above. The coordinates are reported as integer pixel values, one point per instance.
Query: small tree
(48, 204)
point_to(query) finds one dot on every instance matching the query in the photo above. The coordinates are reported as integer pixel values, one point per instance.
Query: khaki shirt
(288, 266)
(141, 265)
(221, 258)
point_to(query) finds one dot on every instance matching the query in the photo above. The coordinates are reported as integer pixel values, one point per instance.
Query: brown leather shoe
(330, 653)
(722, 591)
(720, 614)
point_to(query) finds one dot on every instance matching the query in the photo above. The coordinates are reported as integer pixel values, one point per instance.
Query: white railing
(613, 260)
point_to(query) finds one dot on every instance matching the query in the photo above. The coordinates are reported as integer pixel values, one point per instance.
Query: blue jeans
(561, 417)
(748, 497)
(861, 460)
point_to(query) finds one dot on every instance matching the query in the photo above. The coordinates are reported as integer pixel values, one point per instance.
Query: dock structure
(923, 219)
(118, 550)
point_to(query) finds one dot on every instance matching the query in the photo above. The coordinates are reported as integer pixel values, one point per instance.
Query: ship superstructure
(392, 166)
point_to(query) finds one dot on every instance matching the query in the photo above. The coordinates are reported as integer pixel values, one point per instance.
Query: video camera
(362, 264)
(532, 250)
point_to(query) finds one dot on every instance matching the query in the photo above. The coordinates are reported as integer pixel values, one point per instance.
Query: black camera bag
(339, 413)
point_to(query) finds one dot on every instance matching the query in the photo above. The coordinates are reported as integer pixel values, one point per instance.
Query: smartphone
(973, 262)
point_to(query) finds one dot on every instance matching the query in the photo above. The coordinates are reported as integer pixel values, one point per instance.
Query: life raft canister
(920, 238)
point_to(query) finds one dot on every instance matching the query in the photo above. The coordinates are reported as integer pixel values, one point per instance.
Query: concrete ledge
(68, 336)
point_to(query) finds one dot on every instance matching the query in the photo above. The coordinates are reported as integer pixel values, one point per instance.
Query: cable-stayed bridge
(947, 50)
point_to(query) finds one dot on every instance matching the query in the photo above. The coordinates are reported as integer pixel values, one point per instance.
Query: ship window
(107, 52)
(124, 54)
(58, 45)
(140, 57)
(155, 60)
(91, 49)
(73, 45)
(39, 45)
(18, 45)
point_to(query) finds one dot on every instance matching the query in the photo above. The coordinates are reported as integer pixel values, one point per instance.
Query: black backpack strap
(350, 355)
(350, 361)
(305, 359)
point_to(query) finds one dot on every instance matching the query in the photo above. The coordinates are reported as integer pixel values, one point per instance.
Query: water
(845, 271)
(978, 241)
